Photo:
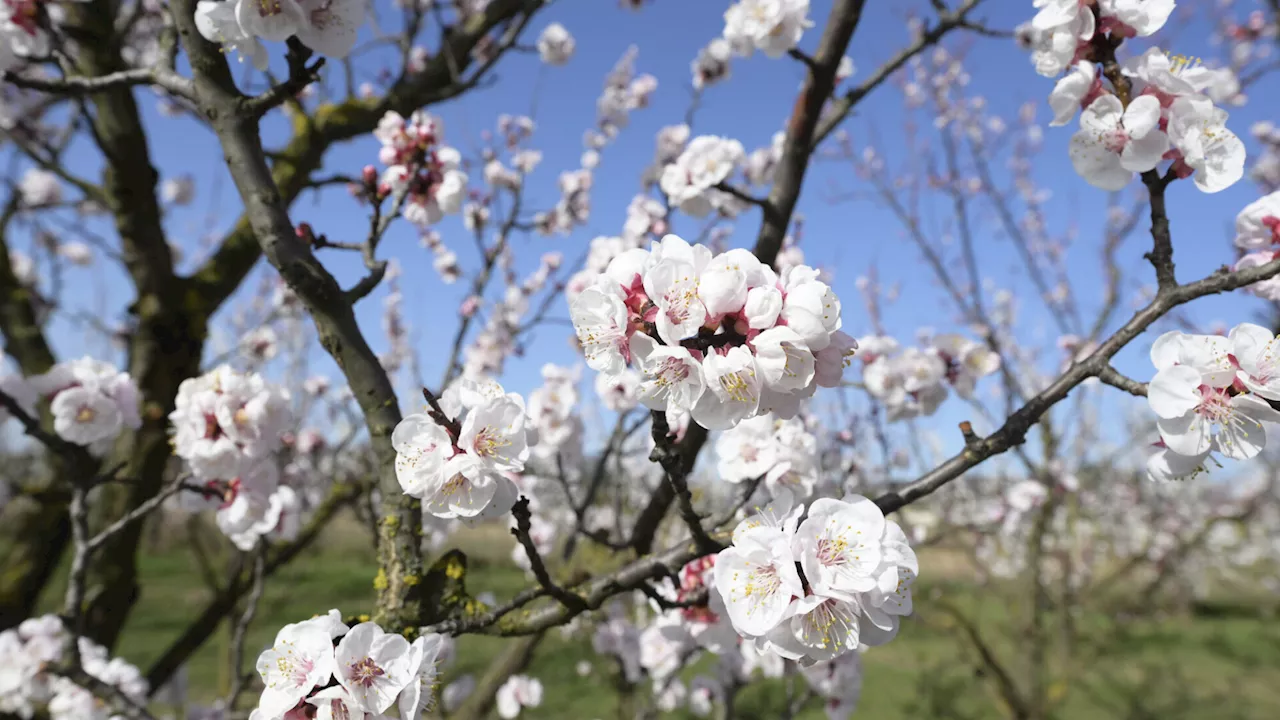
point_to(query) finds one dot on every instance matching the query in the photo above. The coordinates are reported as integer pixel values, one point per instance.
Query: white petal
(1186, 435)
(1144, 153)
(1142, 115)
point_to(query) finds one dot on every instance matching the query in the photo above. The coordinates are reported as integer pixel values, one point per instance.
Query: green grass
(1222, 664)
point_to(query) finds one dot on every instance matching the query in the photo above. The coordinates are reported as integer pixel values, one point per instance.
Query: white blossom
(555, 45)
(519, 691)
(1114, 142)
(770, 26)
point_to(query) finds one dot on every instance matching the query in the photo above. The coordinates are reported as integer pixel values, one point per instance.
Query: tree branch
(819, 83)
(1014, 430)
(841, 108)
(1112, 377)
(536, 565)
(171, 82)
(667, 455)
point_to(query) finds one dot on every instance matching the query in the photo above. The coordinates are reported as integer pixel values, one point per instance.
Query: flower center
(365, 672)
(270, 8)
(736, 387)
(671, 372)
(762, 583)
(212, 431)
(828, 625)
(679, 300)
(831, 550)
(85, 415)
(489, 442)
(1115, 140)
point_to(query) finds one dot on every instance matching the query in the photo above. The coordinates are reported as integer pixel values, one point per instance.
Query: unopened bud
(369, 175)
(303, 231)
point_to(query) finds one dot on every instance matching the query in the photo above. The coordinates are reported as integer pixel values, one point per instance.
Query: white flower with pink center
(1115, 141)
(757, 577)
(733, 389)
(673, 288)
(496, 433)
(272, 20)
(301, 658)
(1197, 400)
(671, 376)
(839, 545)
(373, 667)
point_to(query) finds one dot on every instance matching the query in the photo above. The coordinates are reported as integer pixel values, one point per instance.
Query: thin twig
(1115, 379)
(240, 678)
(666, 455)
(539, 568)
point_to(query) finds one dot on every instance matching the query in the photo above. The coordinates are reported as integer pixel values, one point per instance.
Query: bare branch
(161, 77)
(300, 76)
(523, 525)
(668, 456)
(240, 678)
(819, 82)
(841, 108)
(1014, 430)
(1112, 377)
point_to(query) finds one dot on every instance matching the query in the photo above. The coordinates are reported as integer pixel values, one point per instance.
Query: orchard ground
(1217, 659)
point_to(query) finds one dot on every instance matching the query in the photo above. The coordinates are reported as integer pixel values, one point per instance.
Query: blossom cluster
(426, 172)
(690, 182)
(857, 568)
(29, 689)
(460, 469)
(1211, 395)
(724, 338)
(225, 422)
(328, 27)
(226, 426)
(624, 92)
(553, 413)
(912, 382)
(91, 401)
(1156, 109)
(784, 452)
(662, 641)
(323, 668)
(771, 26)
(506, 317)
(1258, 236)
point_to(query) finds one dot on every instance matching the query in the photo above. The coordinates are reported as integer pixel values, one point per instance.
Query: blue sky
(844, 237)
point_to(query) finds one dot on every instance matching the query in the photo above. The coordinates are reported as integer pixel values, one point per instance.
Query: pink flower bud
(469, 306)
(369, 175)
